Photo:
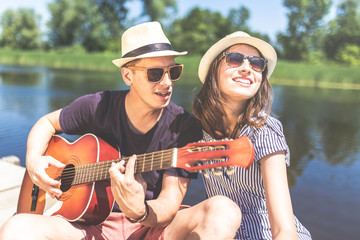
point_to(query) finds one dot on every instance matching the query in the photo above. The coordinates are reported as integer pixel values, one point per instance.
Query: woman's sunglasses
(234, 60)
(155, 75)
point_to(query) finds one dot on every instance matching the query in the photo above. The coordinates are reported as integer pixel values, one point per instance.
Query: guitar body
(88, 202)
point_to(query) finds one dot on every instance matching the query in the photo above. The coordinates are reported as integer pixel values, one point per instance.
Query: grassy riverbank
(286, 73)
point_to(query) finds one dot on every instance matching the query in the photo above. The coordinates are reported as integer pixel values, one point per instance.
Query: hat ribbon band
(149, 48)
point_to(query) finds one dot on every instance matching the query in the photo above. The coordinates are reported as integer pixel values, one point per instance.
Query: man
(142, 119)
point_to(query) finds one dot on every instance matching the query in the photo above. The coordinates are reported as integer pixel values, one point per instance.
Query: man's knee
(13, 227)
(34, 226)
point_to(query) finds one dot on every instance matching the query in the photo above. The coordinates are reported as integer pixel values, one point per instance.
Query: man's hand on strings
(36, 168)
(128, 188)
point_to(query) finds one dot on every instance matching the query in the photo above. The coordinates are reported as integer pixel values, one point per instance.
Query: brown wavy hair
(208, 109)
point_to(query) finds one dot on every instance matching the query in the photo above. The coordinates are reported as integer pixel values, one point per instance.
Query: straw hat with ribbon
(143, 41)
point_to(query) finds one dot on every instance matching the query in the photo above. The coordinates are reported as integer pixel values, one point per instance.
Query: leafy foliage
(157, 10)
(201, 28)
(305, 17)
(20, 29)
(344, 31)
(76, 22)
(349, 54)
(198, 30)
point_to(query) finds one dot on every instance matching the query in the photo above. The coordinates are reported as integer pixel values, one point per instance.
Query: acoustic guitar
(85, 180)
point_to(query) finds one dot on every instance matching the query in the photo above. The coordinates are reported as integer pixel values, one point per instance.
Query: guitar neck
(144, 163)
(193, 157)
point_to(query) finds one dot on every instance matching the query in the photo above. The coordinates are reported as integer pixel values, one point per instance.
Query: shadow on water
(321, 128)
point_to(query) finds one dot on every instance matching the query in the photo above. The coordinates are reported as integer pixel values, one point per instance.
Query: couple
(234, 100)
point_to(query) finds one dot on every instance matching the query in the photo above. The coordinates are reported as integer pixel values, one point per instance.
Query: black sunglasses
(155, 75)
(234, 60)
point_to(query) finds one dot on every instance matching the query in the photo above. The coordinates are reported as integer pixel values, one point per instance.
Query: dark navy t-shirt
(104, 115)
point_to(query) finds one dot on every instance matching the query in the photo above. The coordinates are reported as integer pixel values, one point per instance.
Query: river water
(322, 128)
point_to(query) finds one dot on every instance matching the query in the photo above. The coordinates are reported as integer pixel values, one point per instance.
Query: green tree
(65, 22)
(344, 31)
(238, 19)
(305, 19)
(20, 29)
(77, 22)
(98, 24)
(158, 10)
(198, 30)
(114, 16)
(94, 32)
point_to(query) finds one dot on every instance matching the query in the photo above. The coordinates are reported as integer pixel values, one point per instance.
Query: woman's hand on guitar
(128, 188)
(36, 167)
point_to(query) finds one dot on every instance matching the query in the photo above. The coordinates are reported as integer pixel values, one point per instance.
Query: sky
(266, 16)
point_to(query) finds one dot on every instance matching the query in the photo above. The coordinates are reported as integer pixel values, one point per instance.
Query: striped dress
(245, 187)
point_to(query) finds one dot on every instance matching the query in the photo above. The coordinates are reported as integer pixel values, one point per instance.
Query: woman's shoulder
(274, 124)
(271, 126)
(268, 138)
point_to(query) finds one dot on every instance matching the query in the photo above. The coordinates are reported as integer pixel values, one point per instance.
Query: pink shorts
(116, 226)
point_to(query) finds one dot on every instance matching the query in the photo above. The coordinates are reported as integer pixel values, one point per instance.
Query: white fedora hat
(239, 37)
(143, 41)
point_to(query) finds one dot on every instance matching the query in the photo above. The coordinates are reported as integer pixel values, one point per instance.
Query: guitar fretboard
(100, 171)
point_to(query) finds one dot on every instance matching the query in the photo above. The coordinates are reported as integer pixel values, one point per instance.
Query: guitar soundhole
(67, 177)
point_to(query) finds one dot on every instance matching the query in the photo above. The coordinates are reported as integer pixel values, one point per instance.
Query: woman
(235, 100)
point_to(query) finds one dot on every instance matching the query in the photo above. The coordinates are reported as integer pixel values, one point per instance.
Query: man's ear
(127, 75)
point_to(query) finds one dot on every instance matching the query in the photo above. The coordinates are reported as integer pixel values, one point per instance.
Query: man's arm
(164, 208)
(129, 192)
(37, 143)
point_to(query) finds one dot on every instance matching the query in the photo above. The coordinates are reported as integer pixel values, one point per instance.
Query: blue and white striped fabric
(245, 187)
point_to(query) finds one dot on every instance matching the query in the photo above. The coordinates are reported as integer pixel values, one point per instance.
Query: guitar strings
(140, 159)
(83, 173)
(144, 158)
(100, 168)
(105, 165)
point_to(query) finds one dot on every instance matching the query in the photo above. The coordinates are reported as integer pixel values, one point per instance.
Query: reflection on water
(320, 124)
(322, 128)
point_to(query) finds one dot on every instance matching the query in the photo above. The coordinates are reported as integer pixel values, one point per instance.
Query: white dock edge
(11, 176)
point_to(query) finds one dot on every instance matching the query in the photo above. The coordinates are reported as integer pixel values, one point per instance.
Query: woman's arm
(278, 201)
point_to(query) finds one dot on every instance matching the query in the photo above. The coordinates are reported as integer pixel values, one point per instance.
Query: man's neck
(141, 119)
